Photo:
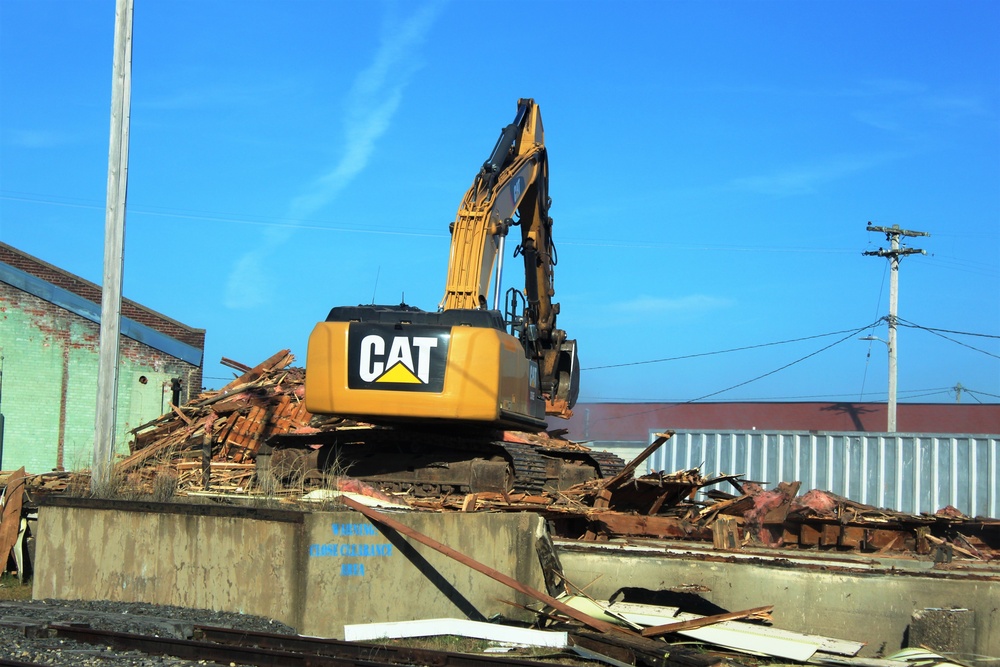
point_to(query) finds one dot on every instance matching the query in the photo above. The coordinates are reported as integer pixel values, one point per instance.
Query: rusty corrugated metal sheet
(633, 421)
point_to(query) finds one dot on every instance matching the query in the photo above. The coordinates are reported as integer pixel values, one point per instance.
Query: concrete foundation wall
(873, 606)
(313, 571)
(358, 574)
(226, 563)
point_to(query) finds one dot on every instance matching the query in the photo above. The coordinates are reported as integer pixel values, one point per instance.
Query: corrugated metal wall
(908, 472)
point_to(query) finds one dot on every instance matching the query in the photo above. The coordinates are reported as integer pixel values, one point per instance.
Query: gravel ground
(138, 618)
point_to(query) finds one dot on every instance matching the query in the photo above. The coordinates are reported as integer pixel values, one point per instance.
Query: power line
(916, 393)
(957, 342)
(734, 349)
(958, 333)
(312, 225)
(983, 393)
(878, 304)
(259, 221)
(781, 368)
(850, 335)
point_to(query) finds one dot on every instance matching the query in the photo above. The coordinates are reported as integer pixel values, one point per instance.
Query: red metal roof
(633, 421)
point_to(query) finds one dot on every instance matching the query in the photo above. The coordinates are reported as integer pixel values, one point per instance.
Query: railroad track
(240, 647)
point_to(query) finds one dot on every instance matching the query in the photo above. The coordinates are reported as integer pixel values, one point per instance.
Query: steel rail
(395, 655)
(263, 649)
(200, 650)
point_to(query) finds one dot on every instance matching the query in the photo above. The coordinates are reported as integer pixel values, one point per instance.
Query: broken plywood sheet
(647, 614)
(745, 637)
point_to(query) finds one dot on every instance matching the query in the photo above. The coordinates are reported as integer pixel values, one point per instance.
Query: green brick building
(49, 342)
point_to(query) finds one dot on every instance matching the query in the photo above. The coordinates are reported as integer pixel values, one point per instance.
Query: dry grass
(13, 590)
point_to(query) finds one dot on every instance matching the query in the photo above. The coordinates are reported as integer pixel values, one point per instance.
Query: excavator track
(608, 464)
(529, 466)
(428, 463)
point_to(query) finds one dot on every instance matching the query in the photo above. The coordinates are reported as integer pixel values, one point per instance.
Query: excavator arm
(432, 391)
(468, 363)
(514, 180)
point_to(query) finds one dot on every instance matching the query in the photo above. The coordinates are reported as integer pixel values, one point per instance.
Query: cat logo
(408, 358)
(516, 190)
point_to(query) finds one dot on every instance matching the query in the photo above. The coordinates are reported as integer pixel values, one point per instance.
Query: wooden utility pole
(894, 252)
(114, 249)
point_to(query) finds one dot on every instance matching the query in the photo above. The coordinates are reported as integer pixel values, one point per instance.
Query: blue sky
(713, 166)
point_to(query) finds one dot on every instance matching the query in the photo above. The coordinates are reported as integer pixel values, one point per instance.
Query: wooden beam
(176, 410)
(235, 365)
(645, 525)
(694, 623)
(603, 496)
(278, 360)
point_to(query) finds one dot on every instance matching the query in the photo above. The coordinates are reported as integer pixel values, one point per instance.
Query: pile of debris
(212, 442)
(211, 446)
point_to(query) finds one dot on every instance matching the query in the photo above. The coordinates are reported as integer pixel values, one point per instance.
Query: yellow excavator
(442, 387)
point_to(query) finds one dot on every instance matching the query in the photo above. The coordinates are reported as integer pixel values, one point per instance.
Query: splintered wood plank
(726, 533)
(141, 455)
(302, 416)
(667, 628)
(177, 411)
(10, 520)
(645, 525)
(469, 504)
(603, 496)
(280, 420)
(276, 361)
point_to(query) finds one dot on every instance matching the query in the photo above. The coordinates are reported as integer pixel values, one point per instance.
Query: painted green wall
(49, 384)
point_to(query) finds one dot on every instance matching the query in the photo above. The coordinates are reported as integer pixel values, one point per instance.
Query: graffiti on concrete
(348, 549)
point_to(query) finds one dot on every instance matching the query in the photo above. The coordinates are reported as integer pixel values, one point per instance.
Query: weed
(12, 589)
(164, 484)
(118, 486)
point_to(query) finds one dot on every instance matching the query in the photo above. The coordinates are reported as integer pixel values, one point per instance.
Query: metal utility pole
(114, 249)
(894, 252)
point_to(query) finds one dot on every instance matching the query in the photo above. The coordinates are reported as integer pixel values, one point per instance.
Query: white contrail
(371, 104)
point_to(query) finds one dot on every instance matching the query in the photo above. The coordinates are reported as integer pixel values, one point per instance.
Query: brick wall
(49, 384)
(92, 292)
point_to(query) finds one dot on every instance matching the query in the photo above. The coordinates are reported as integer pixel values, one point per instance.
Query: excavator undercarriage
(422, 462)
